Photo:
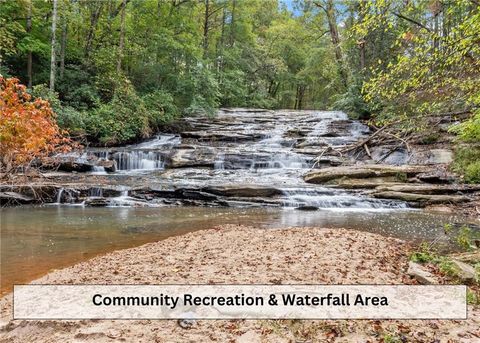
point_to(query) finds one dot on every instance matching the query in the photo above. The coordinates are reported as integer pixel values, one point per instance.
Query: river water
(236, 150)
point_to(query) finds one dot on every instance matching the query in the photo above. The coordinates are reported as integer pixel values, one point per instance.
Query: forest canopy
(115, 71)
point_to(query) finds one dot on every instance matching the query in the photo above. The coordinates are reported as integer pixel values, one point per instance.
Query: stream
(243, 166)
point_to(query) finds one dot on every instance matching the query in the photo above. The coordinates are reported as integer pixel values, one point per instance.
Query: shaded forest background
(115, 71)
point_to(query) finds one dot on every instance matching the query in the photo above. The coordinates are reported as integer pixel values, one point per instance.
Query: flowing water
(241, 167)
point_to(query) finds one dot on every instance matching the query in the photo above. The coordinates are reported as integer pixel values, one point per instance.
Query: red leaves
(28, 129)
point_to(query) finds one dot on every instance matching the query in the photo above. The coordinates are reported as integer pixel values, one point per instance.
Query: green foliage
(123, 119)
(467, 162)
(67, 117)
(424, 254)
(161, 108)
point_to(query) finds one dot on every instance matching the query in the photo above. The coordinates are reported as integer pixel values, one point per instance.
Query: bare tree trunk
(29, 55)
(54, 43)
(121, 43)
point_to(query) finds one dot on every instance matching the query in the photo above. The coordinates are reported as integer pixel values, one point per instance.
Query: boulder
(423, 276)
(465, 272)
(422, 199)
(362, 172)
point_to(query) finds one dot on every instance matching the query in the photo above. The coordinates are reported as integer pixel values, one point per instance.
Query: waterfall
(96, 192)
(138, 160)
(59, 195)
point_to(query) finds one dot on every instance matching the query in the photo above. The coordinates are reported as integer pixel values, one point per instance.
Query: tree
(28, 129)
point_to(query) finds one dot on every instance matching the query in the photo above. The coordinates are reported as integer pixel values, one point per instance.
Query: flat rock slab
(422, 199)
(243, 191)
(7, 198)
(361, 172)
(429, 188)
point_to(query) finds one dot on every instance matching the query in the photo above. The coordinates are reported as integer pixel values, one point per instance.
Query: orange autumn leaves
(28, 129)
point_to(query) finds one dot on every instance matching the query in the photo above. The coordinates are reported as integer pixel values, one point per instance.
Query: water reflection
(34, 240)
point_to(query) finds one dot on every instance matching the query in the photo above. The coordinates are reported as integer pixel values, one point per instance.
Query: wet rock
(306, 208)
(184, 158)
(13, 198)
(75, 166)
(429, 188)
(109, 166)
(424, 277)
(369, 183)
(224, 136)
(422, 199)
(243, 191)
(362, 172)
(97, 202)
(465, 272)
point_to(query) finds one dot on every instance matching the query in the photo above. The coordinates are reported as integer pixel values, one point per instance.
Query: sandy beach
(238, 254)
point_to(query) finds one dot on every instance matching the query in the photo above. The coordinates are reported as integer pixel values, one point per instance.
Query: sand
(237, 254)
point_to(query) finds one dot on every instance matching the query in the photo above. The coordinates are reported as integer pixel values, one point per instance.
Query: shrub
(467, 162)
(161, 108)
(122, 120)
(67, 117)
(472, 172)
(28, 129)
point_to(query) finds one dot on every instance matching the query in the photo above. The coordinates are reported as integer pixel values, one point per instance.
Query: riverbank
(239, 254)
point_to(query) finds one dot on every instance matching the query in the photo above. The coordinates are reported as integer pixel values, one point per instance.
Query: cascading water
(138, 160)
(145, 156)
(244, 149)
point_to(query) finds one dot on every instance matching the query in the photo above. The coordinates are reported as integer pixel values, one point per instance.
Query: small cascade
(96, 192)
(65, 196)
(329, 198)
(138, 160)
(98, 170)
(59, 195)
(219, 163)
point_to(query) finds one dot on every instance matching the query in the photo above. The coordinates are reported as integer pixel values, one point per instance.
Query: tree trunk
(29, 55)
(205, 28)
(52, 55)
(63, 46)
(329, 9)
(232, 24)
(121, 43)
(363, 41)
(94, 16)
